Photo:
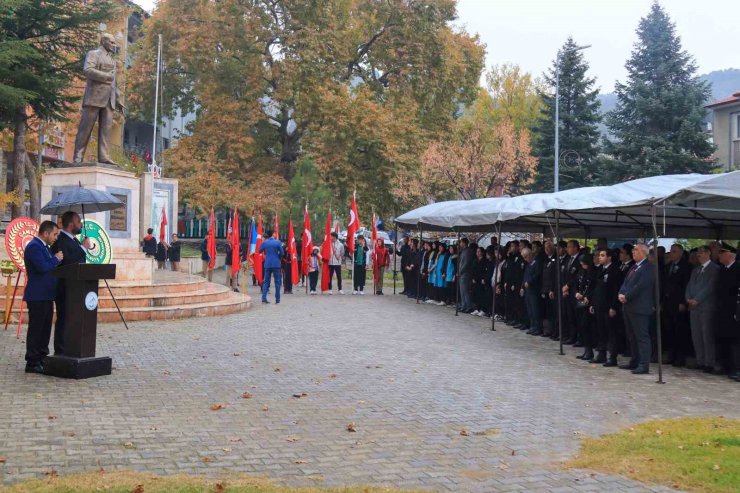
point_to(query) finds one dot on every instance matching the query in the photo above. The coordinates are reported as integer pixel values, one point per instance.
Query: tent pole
(395, 260)
(418, 279)
(557, 276)
(495, 275)
(658, 327)
(457, 278)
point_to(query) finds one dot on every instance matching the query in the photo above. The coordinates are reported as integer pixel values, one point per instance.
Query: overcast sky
(529, 32)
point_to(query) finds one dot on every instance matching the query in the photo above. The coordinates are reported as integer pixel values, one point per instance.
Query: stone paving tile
(410, 377)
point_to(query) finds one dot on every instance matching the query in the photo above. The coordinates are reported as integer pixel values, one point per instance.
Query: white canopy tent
(689, 206)
(693, 205)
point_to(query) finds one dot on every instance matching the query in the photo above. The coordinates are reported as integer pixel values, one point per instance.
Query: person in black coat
(173, 253)
(149, 243)
(531, 289)
(39, 294)
(605, 306)
(637, 295)
(677, 331)
(571, 269)
(548, 292)
(728, 324)
(582, 294)
(161, 255)
(74, 253)
(411, 269)
(625, 264)
(405, 253)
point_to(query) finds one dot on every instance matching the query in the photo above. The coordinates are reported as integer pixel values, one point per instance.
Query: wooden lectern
(80, 325)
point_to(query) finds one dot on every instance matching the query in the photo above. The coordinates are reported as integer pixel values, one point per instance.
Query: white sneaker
(475, 312)
(354, 292)
(429, 301)
(362, 293)
(331, 293)
(341, 292)
(441, 303)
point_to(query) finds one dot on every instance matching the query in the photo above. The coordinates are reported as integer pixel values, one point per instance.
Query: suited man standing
(677, 274)
(604, 306)
(637, 296)
(101, 99)
(728, 327)
(273, 250)
(701, 299)
(39, 294)
(74, 253)
(571, 271)
(465, 270)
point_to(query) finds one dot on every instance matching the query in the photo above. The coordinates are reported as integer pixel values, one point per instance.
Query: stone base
(132, 266)
(77, 368)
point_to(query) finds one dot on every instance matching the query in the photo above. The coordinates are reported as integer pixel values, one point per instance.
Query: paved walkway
(411, 379)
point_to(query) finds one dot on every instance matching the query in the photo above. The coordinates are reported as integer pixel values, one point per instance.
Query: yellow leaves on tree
(476, 162)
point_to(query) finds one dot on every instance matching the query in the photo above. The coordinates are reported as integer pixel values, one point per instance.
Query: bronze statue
(101, 99)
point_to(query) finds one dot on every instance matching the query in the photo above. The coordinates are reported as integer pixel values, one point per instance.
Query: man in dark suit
(571, 272)
(405, 253)
(728, 327)
(677, 332)
(531, 287)
(74, 253)
(637, 296)
(701, 297)
(625, 264)
(39, 294)
(605, 305)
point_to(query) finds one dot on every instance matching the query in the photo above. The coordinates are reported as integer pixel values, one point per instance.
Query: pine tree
(579, 119)
(657, 123)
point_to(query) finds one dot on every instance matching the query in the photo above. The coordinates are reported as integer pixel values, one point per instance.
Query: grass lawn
(131, 482)
(693, 454)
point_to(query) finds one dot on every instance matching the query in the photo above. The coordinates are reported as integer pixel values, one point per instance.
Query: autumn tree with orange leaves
(359, 86)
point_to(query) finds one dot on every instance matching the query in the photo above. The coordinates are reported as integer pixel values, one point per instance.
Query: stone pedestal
(158, 193)
(123, 225)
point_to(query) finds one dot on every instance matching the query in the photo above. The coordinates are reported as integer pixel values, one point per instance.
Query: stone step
(120, 288)
(210, 293)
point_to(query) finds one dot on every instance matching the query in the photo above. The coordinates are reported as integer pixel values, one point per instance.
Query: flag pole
(354, 247)
(303, 254)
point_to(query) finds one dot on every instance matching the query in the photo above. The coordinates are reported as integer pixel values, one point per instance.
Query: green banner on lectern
(101, 252)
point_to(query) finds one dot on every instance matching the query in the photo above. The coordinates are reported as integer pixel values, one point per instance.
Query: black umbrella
(82, 200)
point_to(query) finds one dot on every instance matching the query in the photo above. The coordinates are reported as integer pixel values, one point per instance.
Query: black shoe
(265, 302)
(37, 368)
(628, 366)
(641, 370)
(555, 337)
(569, 342)
(536, 333)
(678, 362)
(735, 376)
(610, 363)
(694, 366)
(578, 344)
(600, 358)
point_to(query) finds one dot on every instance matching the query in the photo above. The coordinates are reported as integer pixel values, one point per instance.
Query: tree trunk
(33, 190)
(19, 161)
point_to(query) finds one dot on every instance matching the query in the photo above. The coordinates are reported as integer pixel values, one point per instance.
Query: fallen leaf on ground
(333, 375)
(153, 428)
(237, 354)
(226, 449)
(513, 452)
(52, 473)
(166, 372)
(351, 427)
(219, 487)
(51, 417)
(300, 461)
(298, 396)
(276, 370)
(292, 439)
(658, 432)
(69, 433)
(265, 408)
(235, 440)
(217, 407)
(716, 467)
(3, 460)
(464, 433)
(207, 460)
(128, 444)
(246, 395)
(139, 489)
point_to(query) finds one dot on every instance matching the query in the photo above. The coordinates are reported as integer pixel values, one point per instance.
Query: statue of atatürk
(101, 99)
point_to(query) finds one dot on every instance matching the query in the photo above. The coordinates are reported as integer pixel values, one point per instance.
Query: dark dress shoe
(37, 368)
(641, 370)
(736, 377)
(628, 366)
(694, 366)
(265, 302)
(535, 333)
(610, 363)
(569, 342)
(588, 355)
(678, 363)
(600, 358)
(578, 344)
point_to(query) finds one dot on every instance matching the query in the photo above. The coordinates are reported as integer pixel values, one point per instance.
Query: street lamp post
(557, 111)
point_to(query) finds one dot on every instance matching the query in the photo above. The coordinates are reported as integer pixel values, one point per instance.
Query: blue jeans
(275, 272)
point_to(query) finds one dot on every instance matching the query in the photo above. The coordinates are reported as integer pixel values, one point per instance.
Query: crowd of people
(607, 296)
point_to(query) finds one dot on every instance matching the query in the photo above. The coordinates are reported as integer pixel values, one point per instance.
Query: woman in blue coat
(440, 274)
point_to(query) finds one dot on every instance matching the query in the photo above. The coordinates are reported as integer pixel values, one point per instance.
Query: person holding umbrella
(74, 252)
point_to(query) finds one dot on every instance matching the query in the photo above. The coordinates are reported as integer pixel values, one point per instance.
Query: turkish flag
(293, 252)
(326, 254)
(374, 240)
(307, 245)
(353, 226)
(211, 243)
(162, 225)
(257, 256)
(235, 244)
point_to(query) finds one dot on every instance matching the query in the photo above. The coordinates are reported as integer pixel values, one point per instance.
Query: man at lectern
(39, 294)
(74, 253)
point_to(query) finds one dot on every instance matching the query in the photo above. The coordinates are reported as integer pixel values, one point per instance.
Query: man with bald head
(637, 296)
(101, 99)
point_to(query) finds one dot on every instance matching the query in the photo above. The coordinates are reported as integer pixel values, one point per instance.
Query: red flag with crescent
(307, 244)
(353, 226)
(293, 252)
(257, 256)
(326, 254)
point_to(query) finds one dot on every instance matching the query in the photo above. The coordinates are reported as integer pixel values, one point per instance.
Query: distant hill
(724, 83)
